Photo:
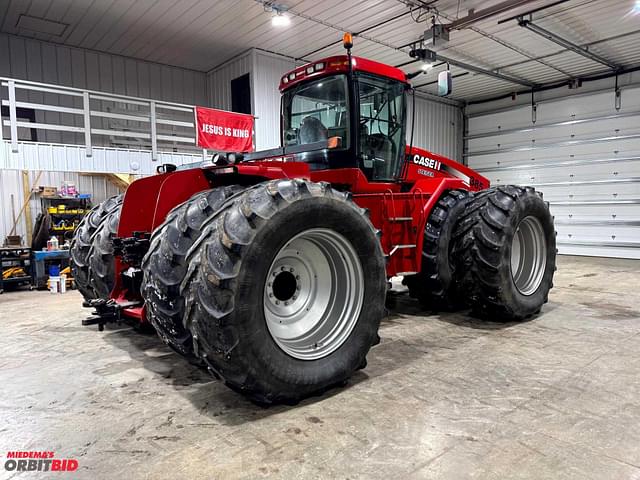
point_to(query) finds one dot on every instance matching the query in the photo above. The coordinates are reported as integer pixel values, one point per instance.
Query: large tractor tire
(41, 232)
(436, 285)
(101, 257)
(82, 241)
(285, 290)
(507, 245)
(165, 265)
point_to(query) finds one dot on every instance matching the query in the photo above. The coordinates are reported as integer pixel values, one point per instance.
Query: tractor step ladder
(395, 218)
(399, 247)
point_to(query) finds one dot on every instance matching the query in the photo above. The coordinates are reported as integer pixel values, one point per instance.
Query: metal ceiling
(201, 34)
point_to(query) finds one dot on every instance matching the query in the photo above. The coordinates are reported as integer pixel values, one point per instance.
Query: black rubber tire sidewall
(525, 305)
(447, 262)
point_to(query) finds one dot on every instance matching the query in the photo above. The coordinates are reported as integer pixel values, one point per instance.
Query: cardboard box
(49, 191)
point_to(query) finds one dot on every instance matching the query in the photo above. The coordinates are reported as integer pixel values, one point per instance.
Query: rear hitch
(132, 249)
(106, 311)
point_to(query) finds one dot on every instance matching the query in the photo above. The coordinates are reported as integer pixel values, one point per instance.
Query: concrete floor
(443, 396)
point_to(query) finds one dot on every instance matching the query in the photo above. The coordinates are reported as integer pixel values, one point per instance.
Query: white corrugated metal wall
(219, 79)
(439, 127)
(50, 63)
(265, 70)
(269, 68)
(40, 61)
(11, 185)
(583, 154)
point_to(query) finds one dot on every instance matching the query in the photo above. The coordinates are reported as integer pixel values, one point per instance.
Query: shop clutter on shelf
(15, 263)
(46, 264)
(62, 211)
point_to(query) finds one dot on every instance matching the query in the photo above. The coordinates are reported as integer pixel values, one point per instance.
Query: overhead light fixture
(437, 35)
(636, 8)
(426, 66)
(280, 19)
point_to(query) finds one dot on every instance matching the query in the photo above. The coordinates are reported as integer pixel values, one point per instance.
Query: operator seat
(386, 150)
(312, 130)
(379, 146)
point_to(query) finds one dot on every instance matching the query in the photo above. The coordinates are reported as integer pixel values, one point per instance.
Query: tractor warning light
(347, 40)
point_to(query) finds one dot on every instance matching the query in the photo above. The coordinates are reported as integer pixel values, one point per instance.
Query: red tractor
(271, 268)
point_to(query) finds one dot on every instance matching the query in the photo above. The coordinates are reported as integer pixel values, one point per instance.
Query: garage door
(583, 154)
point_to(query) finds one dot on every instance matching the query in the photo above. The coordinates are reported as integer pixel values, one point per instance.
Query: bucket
(54, 270)
(54, 284)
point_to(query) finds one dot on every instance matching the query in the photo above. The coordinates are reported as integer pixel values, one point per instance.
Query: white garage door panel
(520, 117)
(627, 125)
(622, 191)
(616, 172)
(571, 108)
(590, 178)
(624, 233)
(595, 212)
(587, 106)
(599, 250)
(542, 153)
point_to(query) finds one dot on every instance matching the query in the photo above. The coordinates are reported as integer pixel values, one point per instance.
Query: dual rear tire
(165, 265)
(91, 251)
(281, 294)
(493, 251)
(506, 246)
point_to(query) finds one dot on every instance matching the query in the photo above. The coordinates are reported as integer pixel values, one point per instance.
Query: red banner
(224, 131)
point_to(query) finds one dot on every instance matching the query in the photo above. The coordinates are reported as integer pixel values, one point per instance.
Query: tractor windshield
(316, 111)
(381, 141)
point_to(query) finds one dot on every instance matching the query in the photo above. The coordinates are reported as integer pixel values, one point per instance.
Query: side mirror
(444, 83)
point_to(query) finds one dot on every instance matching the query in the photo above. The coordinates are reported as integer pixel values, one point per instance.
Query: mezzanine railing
(88, 118)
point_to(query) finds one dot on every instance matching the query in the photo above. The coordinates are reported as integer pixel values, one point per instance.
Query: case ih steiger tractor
(271, 269)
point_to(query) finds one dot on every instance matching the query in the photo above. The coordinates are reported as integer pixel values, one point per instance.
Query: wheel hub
(313, 294)
(285, 285)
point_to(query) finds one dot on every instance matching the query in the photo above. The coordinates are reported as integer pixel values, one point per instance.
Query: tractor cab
(346, 112)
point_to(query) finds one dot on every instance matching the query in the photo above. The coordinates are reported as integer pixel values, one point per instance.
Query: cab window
(316, 111)
(381, 138)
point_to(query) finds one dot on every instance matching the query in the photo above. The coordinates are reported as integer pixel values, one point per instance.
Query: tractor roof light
(310, 70)
(426, 66)
(347, 40)
(318, 66)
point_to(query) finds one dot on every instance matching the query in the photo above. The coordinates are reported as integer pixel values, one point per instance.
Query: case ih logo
(426, 162)
(38, 462)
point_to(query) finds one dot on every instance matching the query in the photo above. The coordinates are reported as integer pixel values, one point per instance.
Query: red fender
(140, 213)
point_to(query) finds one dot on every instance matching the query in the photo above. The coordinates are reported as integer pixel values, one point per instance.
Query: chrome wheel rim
(313, 294)
(528, 255)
